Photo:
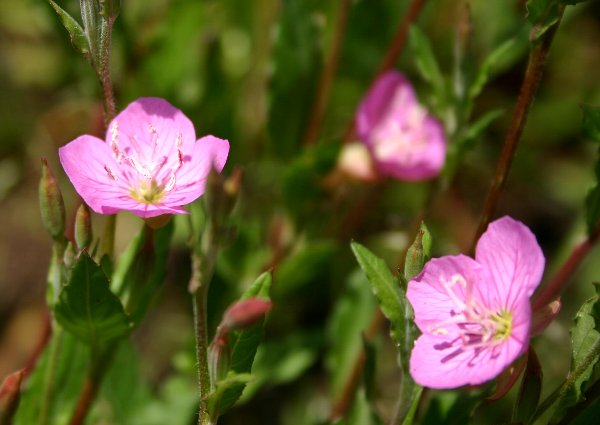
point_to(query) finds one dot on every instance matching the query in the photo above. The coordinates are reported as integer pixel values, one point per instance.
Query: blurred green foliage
(247, 71)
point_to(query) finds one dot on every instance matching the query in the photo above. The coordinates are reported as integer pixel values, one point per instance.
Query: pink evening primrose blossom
(406, 142)
(151, 163)
(475, 314)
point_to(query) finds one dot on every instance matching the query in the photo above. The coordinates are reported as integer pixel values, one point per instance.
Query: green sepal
(76, 32)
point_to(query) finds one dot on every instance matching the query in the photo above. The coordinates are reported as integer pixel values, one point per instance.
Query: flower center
(477, 326)
(148, 170)
(400, 138)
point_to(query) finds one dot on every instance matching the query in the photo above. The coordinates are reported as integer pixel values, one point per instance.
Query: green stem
(103, 70)
(560, 392)
(50, 374)
(529, 87)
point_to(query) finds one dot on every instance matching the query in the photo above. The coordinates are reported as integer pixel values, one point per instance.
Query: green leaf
(426, 62)
(585, 337)
(231, 382)
(393, 302)
(87, 308)
(61, 374)
(418, 253)
(244, 344)
(351, 317)
(91, 26)
(361, 412)
(591, 122)
(487, 67)
(76, 33)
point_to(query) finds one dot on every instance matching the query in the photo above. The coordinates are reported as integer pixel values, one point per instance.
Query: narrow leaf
(426, 62)
(391, 297)
(487, 67)
(543, 14)
(87, 308)
(76, 33)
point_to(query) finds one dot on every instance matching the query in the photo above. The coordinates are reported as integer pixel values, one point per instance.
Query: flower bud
(69, 256)
(9, 395)
(245, 313)
(83, 227)
(52, 206)
(355, 162)
(543, 316)
(219, 357)
(222, 193)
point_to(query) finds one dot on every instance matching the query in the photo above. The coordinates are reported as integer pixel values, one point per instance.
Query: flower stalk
(529, 87)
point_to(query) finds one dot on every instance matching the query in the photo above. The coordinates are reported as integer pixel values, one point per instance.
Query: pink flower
(475, 315)
(406, 142)
(151, 163)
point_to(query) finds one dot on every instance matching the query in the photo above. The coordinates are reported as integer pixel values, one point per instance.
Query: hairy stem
(393, 52)
(529, 87)
(318, 110)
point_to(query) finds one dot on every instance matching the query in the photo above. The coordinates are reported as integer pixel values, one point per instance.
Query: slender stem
(393, 52)
(591, 395)
(98, 368)
(318, 110)
(50, 375)
(108, 237)
(558, 282)
(103, 70)
(529, 87)
(570, 381)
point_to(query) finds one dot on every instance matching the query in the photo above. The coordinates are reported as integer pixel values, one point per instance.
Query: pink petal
(423, 164)
(391, 92)
(429, 297)
(86, 160)
(209, 152)
(437, 363)
(151, 127)
(513, 259)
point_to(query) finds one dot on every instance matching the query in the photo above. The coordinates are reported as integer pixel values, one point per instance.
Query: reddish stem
(557, 284)
(529, 87)
(329, 71)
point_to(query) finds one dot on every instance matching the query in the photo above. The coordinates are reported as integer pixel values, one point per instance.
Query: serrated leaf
(591, 122)
(76, 32)
(487, 67)
(391, 297)
(87, 308)
(585, 337)
(426, 62)
(244, 344)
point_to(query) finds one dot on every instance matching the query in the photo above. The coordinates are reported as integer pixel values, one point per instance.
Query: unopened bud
(219, 357)
(51, 203)
(245, 313)
(222, 194)
(83, 227)
(543, 316)
(355, 161)
(9, 395)
(417, 253)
